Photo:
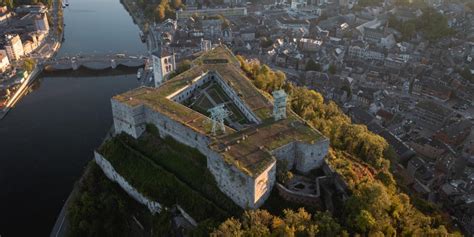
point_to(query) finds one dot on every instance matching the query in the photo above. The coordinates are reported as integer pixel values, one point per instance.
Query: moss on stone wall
(157, 183)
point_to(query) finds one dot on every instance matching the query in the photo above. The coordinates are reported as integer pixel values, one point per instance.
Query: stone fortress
(216, 109)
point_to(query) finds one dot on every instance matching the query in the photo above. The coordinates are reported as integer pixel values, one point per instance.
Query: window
(166, 60)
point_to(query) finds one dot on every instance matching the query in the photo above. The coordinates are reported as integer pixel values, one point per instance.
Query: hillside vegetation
(159, 10)
(101, 208)
(376, 206)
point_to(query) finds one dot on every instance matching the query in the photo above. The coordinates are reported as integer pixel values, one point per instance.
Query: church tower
(163, 64)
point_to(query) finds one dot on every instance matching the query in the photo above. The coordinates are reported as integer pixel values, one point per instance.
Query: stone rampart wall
(292, 196)
(190, 89)
(176, 130)
(286, 153)
(263, 185)
(110, 172)
(130, 120)
(310, 156)
(237, 185)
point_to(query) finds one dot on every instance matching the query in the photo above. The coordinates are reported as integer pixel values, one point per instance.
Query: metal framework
(279, 104)
(218, 114)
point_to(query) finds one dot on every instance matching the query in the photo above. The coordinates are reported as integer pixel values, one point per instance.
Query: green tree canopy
(311, 65)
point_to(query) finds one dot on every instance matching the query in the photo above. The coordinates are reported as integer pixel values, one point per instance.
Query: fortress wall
(236, 185)
(264, 184)
(240, 187)
(127, 119)
(176, 130)
(286, 153)
(188, 92)
(236, 99)
(310, 156)
(110, 172)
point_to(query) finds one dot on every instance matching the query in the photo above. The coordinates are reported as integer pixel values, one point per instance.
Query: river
(48, 138)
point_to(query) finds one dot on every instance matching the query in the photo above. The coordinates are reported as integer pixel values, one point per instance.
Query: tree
(230, 227)
(160, 11)
(364, 221)
(434, 25)
(376, 207)
(265, 42)
(466, 74)
(29, 64)
(311, 65)
(176, 3)
(470, 5)
(332, 69)
(9, 3)
(366, 3)
(327, 225)
(182, 67)
(262, 223)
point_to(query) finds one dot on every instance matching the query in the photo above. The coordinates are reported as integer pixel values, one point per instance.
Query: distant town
(403, 68)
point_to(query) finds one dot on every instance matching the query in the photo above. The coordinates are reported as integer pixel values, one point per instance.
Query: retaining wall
(110, 172)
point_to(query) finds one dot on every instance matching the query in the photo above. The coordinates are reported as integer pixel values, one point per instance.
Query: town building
(41, 22)
(432, 113)
(454, 134)
(226, 12)
(5, 14)
(4, 62)
(14, 47)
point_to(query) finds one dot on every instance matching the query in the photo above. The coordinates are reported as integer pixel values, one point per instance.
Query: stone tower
(163, 64)
(279, 104)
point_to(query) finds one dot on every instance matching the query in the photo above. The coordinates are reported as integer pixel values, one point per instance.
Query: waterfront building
(13, 47)
(4, 62)
(41, 22)
(5, 14)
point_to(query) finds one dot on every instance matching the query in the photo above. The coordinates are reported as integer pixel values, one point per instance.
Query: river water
(48, 138)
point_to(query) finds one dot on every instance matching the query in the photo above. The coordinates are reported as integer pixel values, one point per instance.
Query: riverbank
(136, 14)
(27, 83)
(60, 228)
(54, 46)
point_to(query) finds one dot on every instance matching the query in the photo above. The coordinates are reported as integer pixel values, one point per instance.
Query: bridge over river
(97, 62)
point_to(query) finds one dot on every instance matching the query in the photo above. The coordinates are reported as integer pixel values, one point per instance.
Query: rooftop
(433, 108)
